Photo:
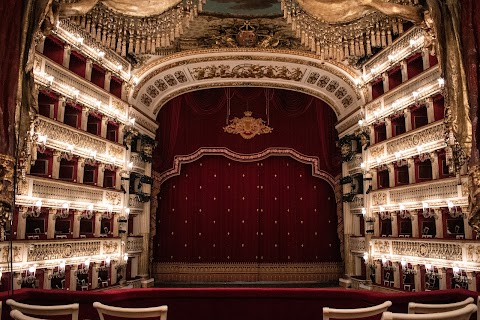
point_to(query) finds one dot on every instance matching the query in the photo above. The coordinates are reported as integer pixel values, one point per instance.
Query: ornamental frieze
(430, 250)
(67, 135)
(247, 70)
(379, 198)
(52, 190)
(6, 253)
(52, 251)
(357, 244)
(134, 244)
(428, 135)
(381, 246)
(376, 151)
(110, 247)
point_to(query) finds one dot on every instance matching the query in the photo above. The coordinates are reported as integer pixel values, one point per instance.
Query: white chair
(56, 310)
(153, 312)
(354, 313)
(415, 308)
(459, 314)
(17, 315)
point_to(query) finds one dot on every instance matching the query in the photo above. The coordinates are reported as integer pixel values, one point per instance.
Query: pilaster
(56, 164)
(88, 69)
(438, 223)
(108, 79)
(22, 222)
(417, 278)
(84, 121)
(80, 169)
(76, 223)
(51, 223)
(66, 56)
(393, 220)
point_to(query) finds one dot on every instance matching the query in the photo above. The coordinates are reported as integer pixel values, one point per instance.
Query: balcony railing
(436, 192)
(138, 163)
(135, 244)
(424, 86)
(134, 204)
(357, 244)
(429, 138)
(77, 142)
(67, 83)
(354, 164)
(357, 204)
(441, 253)
(49, 253)
(55, 193)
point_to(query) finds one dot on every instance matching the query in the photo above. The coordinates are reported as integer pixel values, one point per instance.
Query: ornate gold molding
(7, 165)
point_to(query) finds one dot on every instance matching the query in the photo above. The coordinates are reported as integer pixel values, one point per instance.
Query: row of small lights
(87, 100)
(95, 54)
(401, 207)
(392, 58)
(401, 103)
(403, 262)
(108, 207)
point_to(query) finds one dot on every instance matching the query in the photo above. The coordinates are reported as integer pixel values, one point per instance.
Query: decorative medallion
(248, 127)
(247, 37)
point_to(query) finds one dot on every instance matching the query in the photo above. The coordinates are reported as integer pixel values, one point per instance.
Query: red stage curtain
(220, 210)
(195, 120)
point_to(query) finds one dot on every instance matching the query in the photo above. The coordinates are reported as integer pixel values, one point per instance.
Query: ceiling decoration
(243, 8)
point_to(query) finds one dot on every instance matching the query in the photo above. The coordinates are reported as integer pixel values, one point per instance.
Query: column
(430, 110)
(472, 283)
(80, 169)
(124, 91)
(391, 175)
(371, 131)
(17, 280)
(396, 274)
(22, 222)
(376, 226)
(56, 164)
(118, 178)
(47, 282)
(388, 127)
(101, 173)
(358, 265)
(115, 224)
(408, 119)
(374, 179)
(51, 223)
(443, 278)
(417, 278)
(144, 217)
(94, 267)
(356, 224)
(77, 215)
(435, 166)
(378, 272)
(88, 70)
(386, 84)
(73, 277)
(84, 121)
(425, 58)
(103, 130)
(113, 272)
(411, 170)
(66, 56)
(41, 44)
(414, 219)
(438, 223)
(467, 228)
(369, 93)
(121, 132)
(61, 109)
(108, 78)
(98, 221)
(394, 219)
(403, 68)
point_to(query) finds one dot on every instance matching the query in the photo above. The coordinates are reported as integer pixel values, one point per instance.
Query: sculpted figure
(342, 11)
(139, 8)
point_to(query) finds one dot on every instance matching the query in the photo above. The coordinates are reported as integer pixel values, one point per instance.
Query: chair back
(17, 315)
(414, 307)
(355, 313)
(459, 314)
(137, 313)
(56, 310)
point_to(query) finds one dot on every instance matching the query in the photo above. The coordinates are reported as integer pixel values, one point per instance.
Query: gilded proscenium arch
(168, 77)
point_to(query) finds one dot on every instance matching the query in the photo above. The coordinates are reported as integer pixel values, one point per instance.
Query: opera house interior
(278, 157)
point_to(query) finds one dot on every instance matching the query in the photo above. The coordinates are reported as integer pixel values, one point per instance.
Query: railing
(134, 204)
(358, 283)
(48, 253)
(67, 83)
(414, 194)
(138, 163)
(430, 138)
(70, 33)
(399, 50)
(55, 193)
(357, 204)
(78, 142)
(134, 244)
(354, 164)
(439, 253)
(357, 244)
(425, 85)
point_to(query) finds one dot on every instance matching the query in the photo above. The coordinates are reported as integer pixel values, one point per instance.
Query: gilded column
(22, 222)
(51, 223)
(56, 164)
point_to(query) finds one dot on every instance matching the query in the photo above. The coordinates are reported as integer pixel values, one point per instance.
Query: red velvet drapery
(273, 210)
(195, 120)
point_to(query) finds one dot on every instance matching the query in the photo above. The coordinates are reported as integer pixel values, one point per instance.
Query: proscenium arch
(166, 78)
